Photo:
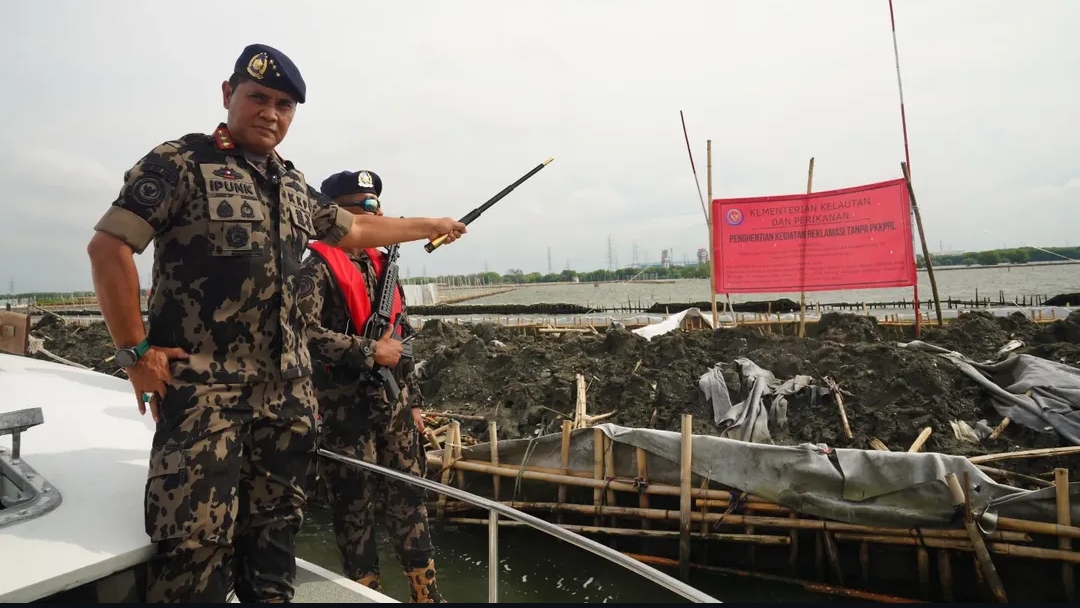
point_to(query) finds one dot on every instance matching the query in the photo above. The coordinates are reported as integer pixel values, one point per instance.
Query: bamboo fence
(707, 515)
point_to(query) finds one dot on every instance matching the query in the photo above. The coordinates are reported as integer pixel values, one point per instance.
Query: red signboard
(856, 238)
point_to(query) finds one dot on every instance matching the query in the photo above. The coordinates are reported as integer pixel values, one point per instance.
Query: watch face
(125, 357)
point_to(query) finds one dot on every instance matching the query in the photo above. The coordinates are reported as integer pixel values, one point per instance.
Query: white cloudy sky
(451, 101)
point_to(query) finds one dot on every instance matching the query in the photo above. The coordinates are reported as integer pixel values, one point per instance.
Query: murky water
(533, 568)
(1016, 282)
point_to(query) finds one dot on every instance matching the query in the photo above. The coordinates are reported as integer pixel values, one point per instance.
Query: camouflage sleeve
(313, 286)
(154, 189)
(331, 222)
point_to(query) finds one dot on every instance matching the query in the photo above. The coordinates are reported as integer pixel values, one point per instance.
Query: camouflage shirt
(338, 353)
(228, 239)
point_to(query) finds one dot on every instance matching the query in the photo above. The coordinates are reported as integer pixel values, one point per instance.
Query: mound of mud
(891, 393)
(979, 334)
(528, 383)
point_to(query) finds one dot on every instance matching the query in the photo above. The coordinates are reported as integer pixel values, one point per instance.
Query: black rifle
(380, 321)
(475, 213)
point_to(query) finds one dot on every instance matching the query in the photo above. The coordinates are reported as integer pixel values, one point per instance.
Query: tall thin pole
(712, 244)
(907, 155)
(900, 86)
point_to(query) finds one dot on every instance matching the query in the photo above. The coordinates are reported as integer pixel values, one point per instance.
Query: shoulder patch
(305, 286)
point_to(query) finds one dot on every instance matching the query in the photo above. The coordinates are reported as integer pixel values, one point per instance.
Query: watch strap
(141, 348)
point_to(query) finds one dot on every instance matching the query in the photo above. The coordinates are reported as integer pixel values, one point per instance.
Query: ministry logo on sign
(734, 217)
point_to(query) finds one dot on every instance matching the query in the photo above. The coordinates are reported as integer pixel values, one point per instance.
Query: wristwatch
(129, 356)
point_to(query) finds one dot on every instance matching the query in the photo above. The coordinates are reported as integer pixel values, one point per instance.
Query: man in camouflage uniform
(338, 293)
(223, 363)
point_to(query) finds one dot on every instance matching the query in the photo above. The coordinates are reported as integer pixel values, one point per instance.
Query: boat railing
(495, 509)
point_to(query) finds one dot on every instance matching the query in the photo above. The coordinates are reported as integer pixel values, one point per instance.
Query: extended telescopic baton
(475, 213)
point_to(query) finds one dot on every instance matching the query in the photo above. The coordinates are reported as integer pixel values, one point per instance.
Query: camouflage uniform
(359, 421)
(232, 458)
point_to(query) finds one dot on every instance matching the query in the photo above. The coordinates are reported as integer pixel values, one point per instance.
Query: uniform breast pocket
(302, 228)
(236, 228)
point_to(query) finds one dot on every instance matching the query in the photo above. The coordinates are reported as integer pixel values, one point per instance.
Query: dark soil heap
(524, 382)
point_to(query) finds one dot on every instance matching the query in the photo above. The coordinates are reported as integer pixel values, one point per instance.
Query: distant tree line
(518, 276)
(992, 257)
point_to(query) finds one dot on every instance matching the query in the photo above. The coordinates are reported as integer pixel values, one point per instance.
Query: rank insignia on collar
(223, 139)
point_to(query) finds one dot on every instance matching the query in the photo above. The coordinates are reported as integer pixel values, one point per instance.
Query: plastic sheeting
(1035, 392)
(676, 321)
(895, 489)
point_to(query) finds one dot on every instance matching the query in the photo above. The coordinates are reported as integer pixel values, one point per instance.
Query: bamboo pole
(493, 441)
(834, 555)
(580, 405)
(609, 467)
(944, 559)
(447, 469)
(458, 474)
(684, 496)
(986, 565)
(810, 586)
(1010, 476)
(877, 444)
(922, 565)
(921, 440)
(1000, 428)
(839, 404)
(922, 239)
(598, 471)
(864, 562)
(802, 296)
(956, 544)
(709, 224)
(1037, 527)
(1064, 518)
(1062, 451)
(732, 538)
(642, 458)
(567, 427)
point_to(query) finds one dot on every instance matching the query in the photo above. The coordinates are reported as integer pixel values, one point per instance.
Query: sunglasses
(371, 205)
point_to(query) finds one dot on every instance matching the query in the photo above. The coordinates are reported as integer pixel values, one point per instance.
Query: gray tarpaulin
(897, 489)
(1035, 392)
(749, 419)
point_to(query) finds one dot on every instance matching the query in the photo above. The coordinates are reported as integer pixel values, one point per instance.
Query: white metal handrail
(495, 509)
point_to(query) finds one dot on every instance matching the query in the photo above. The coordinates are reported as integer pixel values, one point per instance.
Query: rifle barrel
(475, 213)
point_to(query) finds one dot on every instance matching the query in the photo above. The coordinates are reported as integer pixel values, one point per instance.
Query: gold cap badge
(257, 66)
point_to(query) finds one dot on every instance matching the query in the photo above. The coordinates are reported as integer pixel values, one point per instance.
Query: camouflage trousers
(370, 431)
(230, 471)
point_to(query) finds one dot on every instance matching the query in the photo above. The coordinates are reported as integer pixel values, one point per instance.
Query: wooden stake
(609, 467)
(1000, 428)
(643, 477)
(802, 297)
(839, 404)
(877, 444)
(598, 471)
(567, 427)
(920, 440)
(493, 441)
(834, 555)
(579, 410)
(922, 564)
(458, 474)
(922, 239)
(864, 562)
(944, 560)
(986, 565)
(1064, 518)
(684, 496)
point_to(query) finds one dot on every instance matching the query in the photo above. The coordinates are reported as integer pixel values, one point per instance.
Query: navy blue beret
(350, 182)
(271, 68)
